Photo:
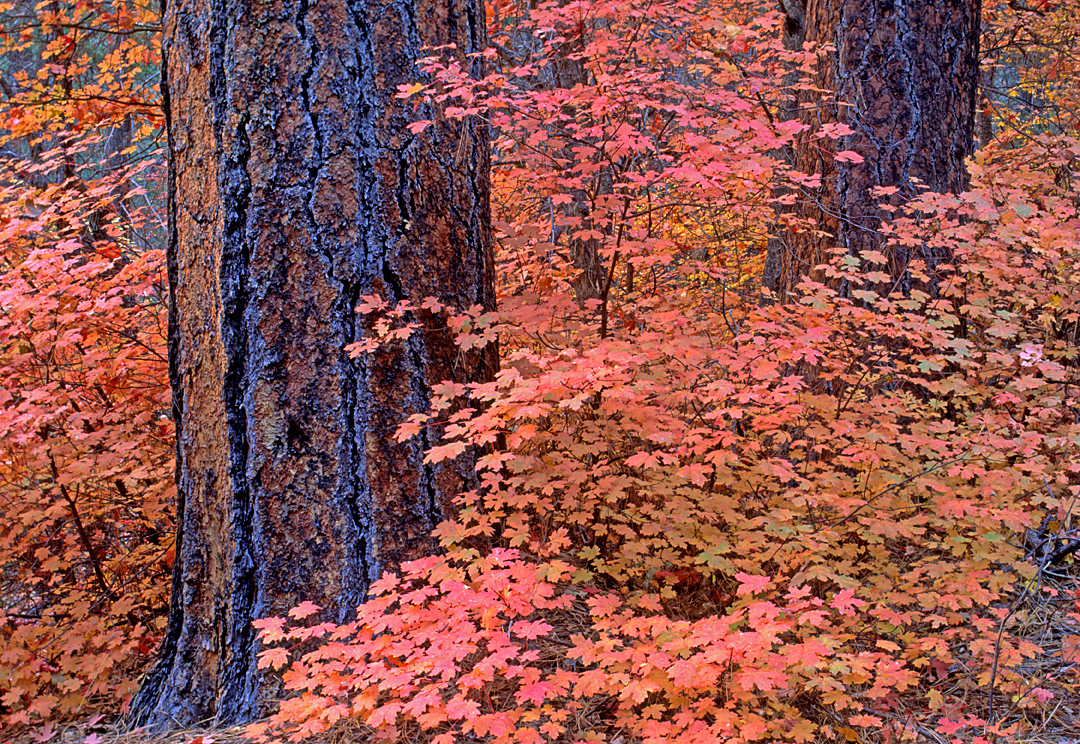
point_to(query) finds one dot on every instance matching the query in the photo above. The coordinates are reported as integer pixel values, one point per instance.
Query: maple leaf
(753, 728)
(803, 731)
(407, 91)
(44, 733)
(642, 459)
(536, 692)
(949, 726)
(271, 629)
(384, 715)
(460, 707)
(807, 653)
(274, 658)
(304, 609)
(848, 156)
(845, 602)
(749, 584)
(604, 605)
(865, 721)
(684, 671)
(638, 689)
(764, 679)
(532, 630)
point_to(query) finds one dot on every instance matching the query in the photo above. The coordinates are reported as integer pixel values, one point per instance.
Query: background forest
(705, 515)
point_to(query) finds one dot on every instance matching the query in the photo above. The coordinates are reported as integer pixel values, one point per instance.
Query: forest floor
(1043, 614)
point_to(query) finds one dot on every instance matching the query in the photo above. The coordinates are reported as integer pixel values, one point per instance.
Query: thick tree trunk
(295, 189)
(904, 74)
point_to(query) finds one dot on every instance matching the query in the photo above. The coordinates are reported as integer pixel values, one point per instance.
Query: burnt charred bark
(903, 76)
(295, 188)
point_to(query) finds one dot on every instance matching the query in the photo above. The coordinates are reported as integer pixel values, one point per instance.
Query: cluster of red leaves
(714, 521)
(85, 459)
(842, 483)
(710, 521)
(86, 456)
(630, 135)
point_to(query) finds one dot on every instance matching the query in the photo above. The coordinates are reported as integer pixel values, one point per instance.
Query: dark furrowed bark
(905, 74)
(296, 188)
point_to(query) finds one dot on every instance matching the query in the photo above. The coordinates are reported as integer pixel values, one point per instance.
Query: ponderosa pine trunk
(296, 188)
(903, 76)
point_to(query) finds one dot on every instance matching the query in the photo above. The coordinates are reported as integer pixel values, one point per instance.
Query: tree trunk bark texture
(295, 188)
(904, 75)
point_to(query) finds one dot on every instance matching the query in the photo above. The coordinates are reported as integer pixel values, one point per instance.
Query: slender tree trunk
(905, 75)
(567, 70)
(296, 188)
(564, 68)
(984, 117)
(118, 159)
